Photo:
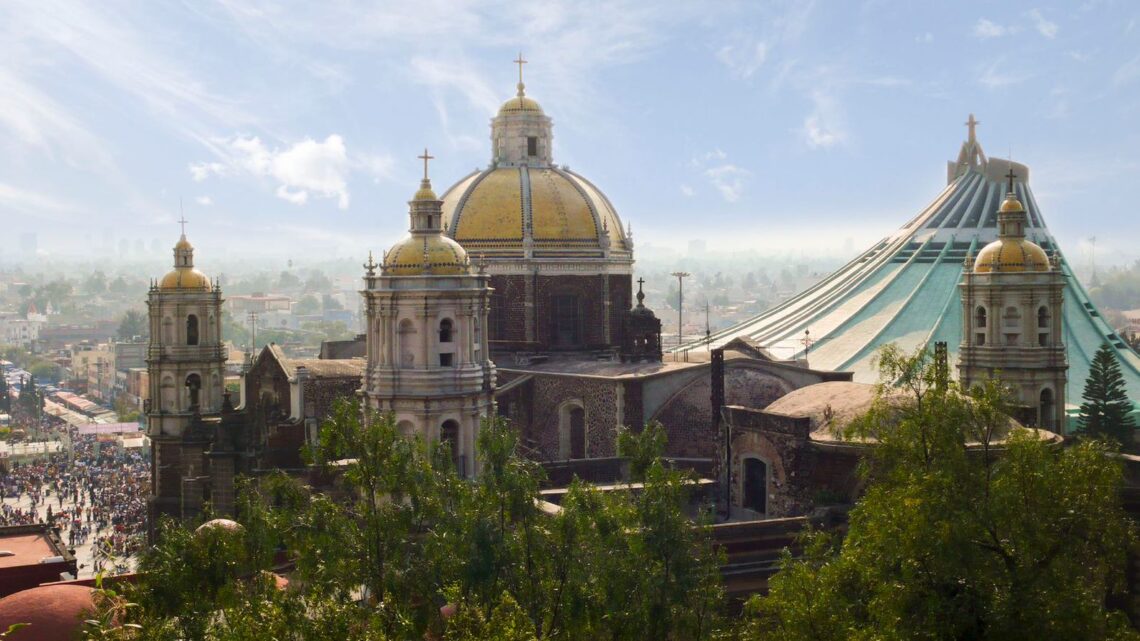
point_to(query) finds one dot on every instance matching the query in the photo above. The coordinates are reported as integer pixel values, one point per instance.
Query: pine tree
(1105, 412)
(5, 397)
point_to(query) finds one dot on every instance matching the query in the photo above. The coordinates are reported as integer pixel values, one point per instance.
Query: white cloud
(1043, 26)
(1127, 73)
(687, 191)
(994, 76)
(823, 128)
(305, 168)
(29, 201)
(745, 58)
(728, 180)
(924, 38)
(204, 201)
(987, 29)
(200, 171)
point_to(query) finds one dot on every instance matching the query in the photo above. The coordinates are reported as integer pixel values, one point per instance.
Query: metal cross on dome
(426, 157)
(520, 62)
(182, 221)
(1011, 176)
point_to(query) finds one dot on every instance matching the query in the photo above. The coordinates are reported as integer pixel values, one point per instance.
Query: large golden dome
(424, 254)
(496, 210)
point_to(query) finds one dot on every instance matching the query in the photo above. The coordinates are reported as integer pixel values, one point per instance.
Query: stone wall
(687, 416)
(509, 310)
(802, 474)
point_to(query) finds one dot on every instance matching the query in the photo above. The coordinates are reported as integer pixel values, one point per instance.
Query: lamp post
(681, 276)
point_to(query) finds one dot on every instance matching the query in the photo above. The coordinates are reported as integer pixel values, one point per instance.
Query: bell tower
(186, 371)
(1012, 296)
(427, 344)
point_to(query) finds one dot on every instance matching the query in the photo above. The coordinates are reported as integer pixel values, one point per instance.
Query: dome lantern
(425, 250)
(184, 276)
(1012, 252)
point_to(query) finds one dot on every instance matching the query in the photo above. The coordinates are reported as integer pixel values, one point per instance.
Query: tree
(969, 529)
(133, 323)
(30, 402)
(5, 396)
(1106, 410)
(406, 539)
(307, 306)
(288, 282)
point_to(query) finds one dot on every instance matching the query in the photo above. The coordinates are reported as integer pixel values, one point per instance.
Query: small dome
(442, 255)
(52, 612)
(1011, 255)
(183, 244)
(219, 524)
(520, 104)
(1011, 205)
(184, 278)
(425, 193)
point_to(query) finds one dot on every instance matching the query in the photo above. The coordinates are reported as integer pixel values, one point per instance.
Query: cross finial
(1011, 176)
(182, 221)
(520, 62)
(972, 124)
(426, 157)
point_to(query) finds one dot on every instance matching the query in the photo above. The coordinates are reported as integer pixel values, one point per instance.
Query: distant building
(240, 304)
(36, 555)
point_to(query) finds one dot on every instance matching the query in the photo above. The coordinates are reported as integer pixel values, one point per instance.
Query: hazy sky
(292, 128)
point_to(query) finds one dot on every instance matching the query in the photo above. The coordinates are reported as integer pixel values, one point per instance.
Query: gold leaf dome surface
(555, 208)
(520, 104)
(1011, 255)
(423, 254)
(186, 278)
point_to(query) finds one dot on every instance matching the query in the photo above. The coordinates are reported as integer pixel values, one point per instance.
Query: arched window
(194, 387)
(755, 488)
(407, 332)
(1043, 317)
(1047, 406)
(572, 431)
(577, 433)
(168, 394)
(191, 330)
(445, 330)
(980, 317)
(449, 438)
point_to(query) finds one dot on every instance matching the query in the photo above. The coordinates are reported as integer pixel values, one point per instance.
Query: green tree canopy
(1106, 410)
(133, 323)
(410, 539)
(961, 534)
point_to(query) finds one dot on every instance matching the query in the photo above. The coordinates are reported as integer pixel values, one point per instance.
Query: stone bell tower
(427, 343)
(186, 370)
(1012, 296)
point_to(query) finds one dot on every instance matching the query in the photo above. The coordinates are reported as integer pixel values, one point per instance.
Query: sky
(291, 129)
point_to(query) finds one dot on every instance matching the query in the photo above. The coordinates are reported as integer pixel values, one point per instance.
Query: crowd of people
(95, 493)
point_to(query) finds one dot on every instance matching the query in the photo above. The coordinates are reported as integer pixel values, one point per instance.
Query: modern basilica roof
(904, 289)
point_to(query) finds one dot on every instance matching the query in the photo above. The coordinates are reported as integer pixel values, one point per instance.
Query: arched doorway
(755, 485)
(449, 438)
(1046, 416)
(194, 387)
(572, 430)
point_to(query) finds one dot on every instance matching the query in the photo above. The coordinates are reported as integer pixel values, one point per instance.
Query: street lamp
(681, 276)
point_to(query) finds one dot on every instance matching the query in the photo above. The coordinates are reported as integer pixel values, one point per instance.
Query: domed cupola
(184, 276)
(425, 250)
(1012, 251)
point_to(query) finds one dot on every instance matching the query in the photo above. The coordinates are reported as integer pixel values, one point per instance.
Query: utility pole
(681, 276)
(708, 327)
(253, 332)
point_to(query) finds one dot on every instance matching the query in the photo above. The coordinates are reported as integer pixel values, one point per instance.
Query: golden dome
(1011, 204)
(442, 255)
(1011, 255)
(183, 244)
(520, 104)
(425, 193)
(185, 278)
(557, 210)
